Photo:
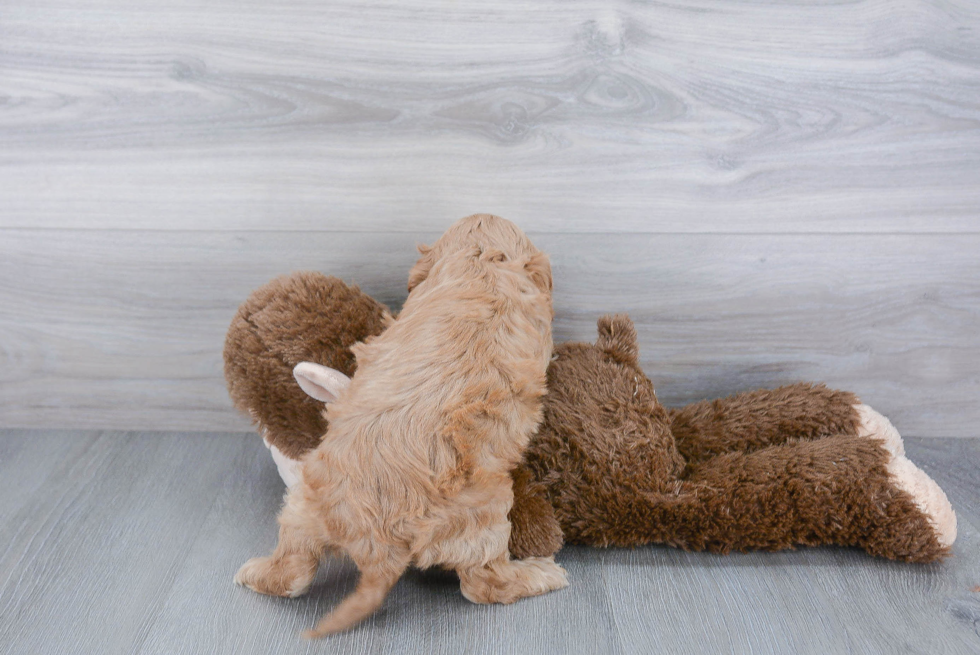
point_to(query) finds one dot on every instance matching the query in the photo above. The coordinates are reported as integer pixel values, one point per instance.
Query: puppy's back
(453, 386)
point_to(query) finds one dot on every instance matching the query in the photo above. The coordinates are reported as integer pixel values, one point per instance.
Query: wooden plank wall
(774, 191)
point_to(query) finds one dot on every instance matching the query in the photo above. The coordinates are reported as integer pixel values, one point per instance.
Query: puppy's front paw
(266, 575)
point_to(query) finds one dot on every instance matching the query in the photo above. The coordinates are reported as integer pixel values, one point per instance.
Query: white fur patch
(289, 469)
(928, 496)
(875, 426)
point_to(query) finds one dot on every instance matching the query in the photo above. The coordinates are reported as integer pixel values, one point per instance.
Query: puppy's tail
(371, 590)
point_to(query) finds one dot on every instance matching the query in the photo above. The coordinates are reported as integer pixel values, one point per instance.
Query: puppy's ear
(320, 382)
(493, 255)
(538, 268)
(422, 267)
(617, 336)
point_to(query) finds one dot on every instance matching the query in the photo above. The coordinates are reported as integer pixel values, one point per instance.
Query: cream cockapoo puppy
(414, 468)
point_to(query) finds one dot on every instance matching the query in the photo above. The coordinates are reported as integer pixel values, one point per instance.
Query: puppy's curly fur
(413, 469)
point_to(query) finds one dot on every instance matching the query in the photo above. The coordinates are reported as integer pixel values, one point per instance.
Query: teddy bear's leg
(757, 419)
(290, 570)
(838, 490)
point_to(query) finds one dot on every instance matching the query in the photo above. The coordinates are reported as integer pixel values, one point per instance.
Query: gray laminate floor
(126, 542)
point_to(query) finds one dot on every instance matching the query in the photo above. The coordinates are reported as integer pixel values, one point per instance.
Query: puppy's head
(495, 237)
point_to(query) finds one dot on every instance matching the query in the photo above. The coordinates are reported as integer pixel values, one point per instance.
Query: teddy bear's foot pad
(876, 426)
(928, 497)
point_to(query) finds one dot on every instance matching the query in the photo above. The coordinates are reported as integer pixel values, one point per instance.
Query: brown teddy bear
(610, 466)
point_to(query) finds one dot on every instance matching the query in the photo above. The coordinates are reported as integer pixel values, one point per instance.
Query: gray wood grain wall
(774, 191)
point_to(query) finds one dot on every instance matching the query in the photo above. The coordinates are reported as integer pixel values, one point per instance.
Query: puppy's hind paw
(544, 575)
(510, 580)
(273, 577)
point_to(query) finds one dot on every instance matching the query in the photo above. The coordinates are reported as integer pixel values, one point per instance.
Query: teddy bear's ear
(427, 259)
(320, 382)
(617, 337)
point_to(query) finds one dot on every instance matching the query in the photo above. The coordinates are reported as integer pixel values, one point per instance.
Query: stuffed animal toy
(610, 466)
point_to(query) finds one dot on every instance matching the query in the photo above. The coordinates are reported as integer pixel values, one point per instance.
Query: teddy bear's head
(303, 317)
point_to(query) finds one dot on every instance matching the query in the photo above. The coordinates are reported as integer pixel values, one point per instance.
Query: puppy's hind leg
(372, 588)
(290, 570)
(505, 581)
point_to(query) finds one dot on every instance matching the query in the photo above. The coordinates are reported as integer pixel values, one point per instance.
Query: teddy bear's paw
(875, 426)
(927, 495)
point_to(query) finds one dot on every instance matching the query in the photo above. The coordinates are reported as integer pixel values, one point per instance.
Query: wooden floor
(126, 542)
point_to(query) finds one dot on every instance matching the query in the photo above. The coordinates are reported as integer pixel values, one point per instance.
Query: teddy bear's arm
(749, 421)
(535, 531)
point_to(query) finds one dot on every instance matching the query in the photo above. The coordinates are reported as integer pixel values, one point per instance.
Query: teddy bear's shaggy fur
(414, 468)
(294, 319)
(798, 465)
(763, 470)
